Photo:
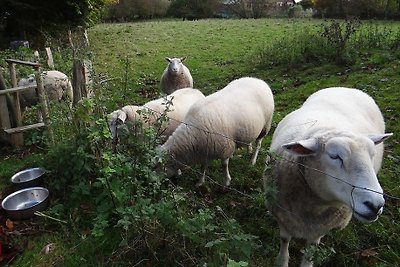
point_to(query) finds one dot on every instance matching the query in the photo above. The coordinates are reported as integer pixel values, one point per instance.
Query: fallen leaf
(10, 225)
(86, 232)
(29, 246)
(48, 248)
(232, 203)
(84, 206)
(370, 252)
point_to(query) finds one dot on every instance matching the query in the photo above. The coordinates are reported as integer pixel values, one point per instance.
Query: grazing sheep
(56, 84)
(175, 76)
(329, 152)
(234, 116)
(178, 103)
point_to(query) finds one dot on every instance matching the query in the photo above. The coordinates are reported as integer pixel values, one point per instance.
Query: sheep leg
(228, 178)
(283, 257)
(306, 261)
(203, 176)
(250, 148)
(255, 155)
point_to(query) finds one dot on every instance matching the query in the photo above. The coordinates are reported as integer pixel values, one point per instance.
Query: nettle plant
(106, 186)
(338, 36)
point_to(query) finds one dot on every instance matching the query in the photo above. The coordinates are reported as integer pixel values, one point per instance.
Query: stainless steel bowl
(23, 203)
(28, 178)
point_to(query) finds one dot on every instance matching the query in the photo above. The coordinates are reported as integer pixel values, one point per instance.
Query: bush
(36, 19)
(120, 191)
(295, 49)
(339, 42)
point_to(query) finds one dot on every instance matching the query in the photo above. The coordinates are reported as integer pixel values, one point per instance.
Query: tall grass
(342, 42)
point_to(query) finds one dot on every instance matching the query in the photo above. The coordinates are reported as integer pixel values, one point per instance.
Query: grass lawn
(131, 58)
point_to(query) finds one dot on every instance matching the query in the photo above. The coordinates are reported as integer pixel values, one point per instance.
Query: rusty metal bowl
(28, 178)
(23, 203)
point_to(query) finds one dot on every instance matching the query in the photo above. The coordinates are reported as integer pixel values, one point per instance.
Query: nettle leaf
(232, 263)
(215, 242)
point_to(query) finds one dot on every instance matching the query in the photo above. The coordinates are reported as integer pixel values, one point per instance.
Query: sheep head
(175, 65)
(340, 169)
(116, 118)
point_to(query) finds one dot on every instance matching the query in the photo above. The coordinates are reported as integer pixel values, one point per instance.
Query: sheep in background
(331, 150)
(232, 117)
(175, 76)
(56, 84)
(178, 104)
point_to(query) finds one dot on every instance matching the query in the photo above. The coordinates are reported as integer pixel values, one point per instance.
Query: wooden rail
(16, 133)
(17, 89)
(25, 63)
(24, 128)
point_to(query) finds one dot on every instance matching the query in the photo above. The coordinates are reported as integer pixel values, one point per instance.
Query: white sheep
(232, 117)
(175, 76)
(56, 84)
(178, 103)
(328, 153)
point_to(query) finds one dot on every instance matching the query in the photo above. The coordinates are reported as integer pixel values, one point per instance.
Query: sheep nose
(377, 209)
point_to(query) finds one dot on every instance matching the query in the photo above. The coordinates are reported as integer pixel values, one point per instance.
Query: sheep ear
(303, 148)
(121, 117)
(183, 59)
(379, 138)
(168, 59)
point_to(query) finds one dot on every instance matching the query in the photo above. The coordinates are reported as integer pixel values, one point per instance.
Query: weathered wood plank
(4, 118)
(16, 89)
(24, 128)
(26, 63)
(5, 122)
(17, 139)
(50, 60)
(43, 102)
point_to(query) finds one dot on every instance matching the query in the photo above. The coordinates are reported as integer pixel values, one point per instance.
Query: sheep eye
(336, 157)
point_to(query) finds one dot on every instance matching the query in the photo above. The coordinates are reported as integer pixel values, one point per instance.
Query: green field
(214, 226)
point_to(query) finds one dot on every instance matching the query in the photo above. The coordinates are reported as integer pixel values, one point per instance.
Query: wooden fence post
(43, 103)
(18, 138)
(81, 79)
(5, 122)
(50, 61)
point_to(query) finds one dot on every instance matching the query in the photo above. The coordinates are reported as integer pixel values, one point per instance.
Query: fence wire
(270, 155)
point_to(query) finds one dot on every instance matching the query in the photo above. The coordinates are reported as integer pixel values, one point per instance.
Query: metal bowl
(23, 203)
(28, 178)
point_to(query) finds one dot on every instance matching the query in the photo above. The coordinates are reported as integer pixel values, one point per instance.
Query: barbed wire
(269, 154)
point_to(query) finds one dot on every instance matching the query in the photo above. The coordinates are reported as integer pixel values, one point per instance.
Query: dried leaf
(84, 206)
(86, 232)
(48, 248)
(10, 225)
(233, 204)
(366, 253)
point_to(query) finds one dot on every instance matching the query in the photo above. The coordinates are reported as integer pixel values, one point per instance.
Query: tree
(306, 4)
(28, 18)
(248, 8)
(359, 8)
(258, 8)
(193, 9)
(137, 9)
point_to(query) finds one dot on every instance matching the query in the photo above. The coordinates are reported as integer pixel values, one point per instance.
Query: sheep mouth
(366, 218)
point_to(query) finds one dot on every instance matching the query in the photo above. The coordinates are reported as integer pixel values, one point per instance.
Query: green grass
(219, 51)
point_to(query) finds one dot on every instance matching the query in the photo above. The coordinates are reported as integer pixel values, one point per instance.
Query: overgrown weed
(342, 42)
